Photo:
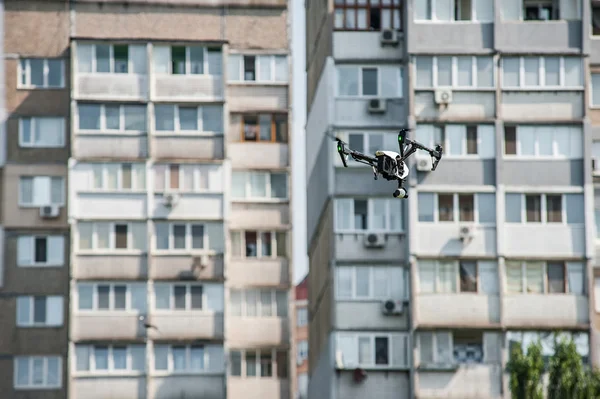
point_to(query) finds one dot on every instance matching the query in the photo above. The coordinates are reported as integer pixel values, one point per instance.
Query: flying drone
(389, 164)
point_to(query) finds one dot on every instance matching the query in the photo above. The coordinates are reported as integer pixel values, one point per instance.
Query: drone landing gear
(375, 172)
(400, 192)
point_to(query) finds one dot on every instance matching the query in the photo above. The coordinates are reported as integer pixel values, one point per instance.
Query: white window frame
(205, 68)
(30, 385)
(456, 209)
(267, 176)
(302, 352)
(259, 233)
(375, 293)
(31, 322)
(433, 16)
(456, 264)
(592, 88)
(197, 172)
(259, 80)
(434, 344)
(388, 138)
(103, 168)
(360, 95)
(103, 129)
(464, 141)
(258, 353)
(94, 63)
(170, 360)
(540, 4)
(301, 317)
(555, 155)
(26, 205)
(370, 206)
(27, 74)
(111, 297)
(110, 357)
(33, 263)
(112, 238)
(542, 75)
(188, 239)
(188, 298)
(545, 279)
(518, 335)
(200, 132)
(371, 336)
(258, 291)
(34, 120)
(454, 84)
(544, 210)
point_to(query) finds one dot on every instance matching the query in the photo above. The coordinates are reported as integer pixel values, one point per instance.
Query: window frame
(103, 130)
(370, 206)
(111, 238)
(545, 279)
(91, 361)
(359, 83)
(34, 263)
(30, 361)
(111, 57)
(517, 335)
(248, 185)
(434, 341)
(258, 352)
(103, 169)
(355, 336)
(258, 291)
(188, 298)
(111, 297)
(34, 120)
(26, 73)
(188, 239)
(273, 116)
(456, 209)
(433, 15)
(464, 143)
(592, 74)
(543, 209)
(205, 63)
(188, 356)
(454, 74)
(31, 323)
(198, 172)
(302, 352)
(374, 294)
(555, 155)
(259, 256)
(541, 86)
(392, 7)
(301, 316)
(456, 264)
(60, 204)
(200, 132)
(257, 81)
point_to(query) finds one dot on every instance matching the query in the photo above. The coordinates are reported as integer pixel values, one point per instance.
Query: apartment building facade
(168, 190)
(493, 249)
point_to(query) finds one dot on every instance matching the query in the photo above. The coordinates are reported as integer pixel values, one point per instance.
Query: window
(544, 208)
(542, 72)
(259, 244)
(198, 297)
(538, 277)
(111, 118)
(547, 339)
(595, 87)
(460, 140)
(370, 81)
(181, 237)
(187, 60)
(371, 15)
(447, 348)
(187, 358)
(112, 236)
(40, 311)
(301, 317)
(106, 296)
(367, 143)
(454, 71)
(47, 251)
(258, 68)
(263, 363)
(255, 185)
(373, 214)
(111, 58)
(374, 350)
(110, 359)
(258, 303)
(454, 10)
(457, 208)
(462, 276)
(37, 191)
(544, 141)
(595, 19)
(41, 132)
(188, 178)
(265, 128)
(540, 10)
(302, 352)
(188, 119)
(371, 283)
(37, 372)
(48, 73)
(117, 177)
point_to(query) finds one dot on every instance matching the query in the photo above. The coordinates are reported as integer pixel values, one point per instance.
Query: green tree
(526, 372)
(568, 378)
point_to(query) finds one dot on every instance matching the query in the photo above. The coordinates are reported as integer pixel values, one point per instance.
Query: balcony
(259, 155)
(380, 384)
(186, 325)
(118, 267)
(371, 316)
(117, 146)
(173, 267)
(167, 87)
(367, 46)
(474, 172)
(538, 105)
(544, 240)
(257, 331)
(188, 386)
(556, 37)
(457, 310)
(111, 86)
(252, 215)
(481, 381)
(545, 311)
(254, 97)
(353, 112)
(263, 272)
(256, 388)
(351, 247)
(451, 37)
(190, 205)
(113, 205)
(543, 172)
(201, 146)
(442, 239)
(465, 106)
(93, 387)
(106, 326)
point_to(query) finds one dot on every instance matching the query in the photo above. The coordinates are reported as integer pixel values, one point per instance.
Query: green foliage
(526, 372)
(567, 376)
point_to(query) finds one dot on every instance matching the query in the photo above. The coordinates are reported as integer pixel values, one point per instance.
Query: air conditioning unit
(376, 106)
(170, 200)
(466, 232)
(373, 240)
(392, 307)
(424, 163)
(389, 36)
(49, 211)
(443, 96)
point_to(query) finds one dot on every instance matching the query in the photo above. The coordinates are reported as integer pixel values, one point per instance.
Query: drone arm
(357, 156)
(436, 154)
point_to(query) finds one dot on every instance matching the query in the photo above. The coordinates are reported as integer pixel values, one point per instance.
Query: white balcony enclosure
(187, 325)
(255, 97)
(351, 246)
(545, 310)
(101, 387)
(464, 309)
(205, 267)
(258, 331)
(354, 112)
(188, 146)
(258, 155)
(444, 239)
(544, 239)
(531, 105)
(205, 386)
(109, 325)
(258, 388)
(469, 105)
(266, 272)
(481, 381)
(253, 215)
(196, 206)
(104, 266)
(168, 87)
